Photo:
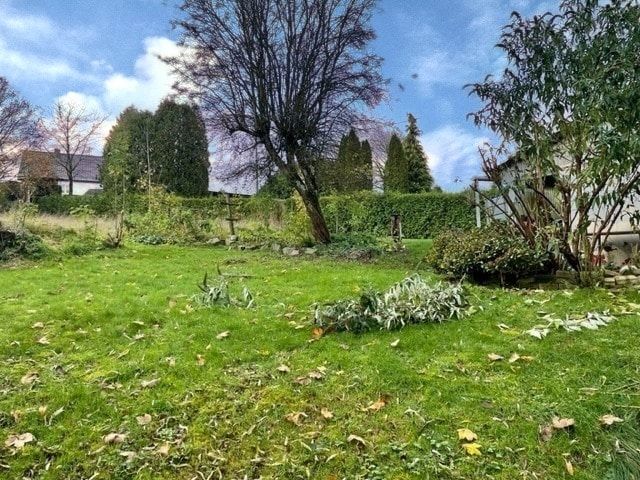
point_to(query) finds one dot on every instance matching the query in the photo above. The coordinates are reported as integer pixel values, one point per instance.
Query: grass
(114, 320)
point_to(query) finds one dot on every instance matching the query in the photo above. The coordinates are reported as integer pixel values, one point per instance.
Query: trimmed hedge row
(423, 215)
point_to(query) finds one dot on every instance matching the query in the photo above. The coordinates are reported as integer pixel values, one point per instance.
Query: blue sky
(103, 53)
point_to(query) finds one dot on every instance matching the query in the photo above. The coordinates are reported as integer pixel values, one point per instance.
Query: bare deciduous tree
(290, 75)
(18, 128)
(73, 131)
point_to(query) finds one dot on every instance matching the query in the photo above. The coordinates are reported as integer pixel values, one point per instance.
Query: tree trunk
(319, 226)
(70, 184)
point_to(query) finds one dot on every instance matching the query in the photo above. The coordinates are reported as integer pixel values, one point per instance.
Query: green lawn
(113, 322)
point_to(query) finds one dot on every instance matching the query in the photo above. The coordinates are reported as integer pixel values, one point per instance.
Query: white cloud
(151, 82)
(453, 155)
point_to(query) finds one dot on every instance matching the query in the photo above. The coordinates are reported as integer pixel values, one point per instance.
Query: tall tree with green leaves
(128, 150)
(181, 149)
(352, 170)
(419, 176)
(396, 169)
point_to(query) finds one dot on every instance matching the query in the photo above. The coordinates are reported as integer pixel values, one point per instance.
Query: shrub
(218, 295)
(489, 253)
(410, 301)
(21, 245)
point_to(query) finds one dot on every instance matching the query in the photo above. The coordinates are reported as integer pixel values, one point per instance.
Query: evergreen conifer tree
(419, 177)
(396, 170)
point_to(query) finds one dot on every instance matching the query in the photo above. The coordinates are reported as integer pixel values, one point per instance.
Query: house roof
(87, 169)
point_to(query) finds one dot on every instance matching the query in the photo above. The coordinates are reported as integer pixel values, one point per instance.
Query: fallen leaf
(494, 357)
(317, 333)
(144, 419)
(29, 378)
(149, 383)
(545, 432)
(326, 413)
(200, 361)
(222, 335)
(42, 410)
(568, 466)
(171, 361)
(472, 448)
(19, 441)
(378, 404)
(562, 423)
(357, 440)
(283, 369)
(163, 449)
(296, 418)
(315, 375)
(114, 438)
(139, 336)
(37, 325)
(608, 420)
(130, 456)
(466, 434)
(514, 358)
(395, 343)
(43, 341)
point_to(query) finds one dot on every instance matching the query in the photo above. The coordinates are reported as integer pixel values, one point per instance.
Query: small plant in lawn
(410, 301)
(218, 295)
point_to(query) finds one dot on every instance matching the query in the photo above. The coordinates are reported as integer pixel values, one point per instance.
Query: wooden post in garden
(396, 230)
(230, 217)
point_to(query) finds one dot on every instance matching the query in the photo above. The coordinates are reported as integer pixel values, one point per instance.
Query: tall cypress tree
(353, 169)
(396, 169)
(181, 149)
(420, 179)
(126, 147)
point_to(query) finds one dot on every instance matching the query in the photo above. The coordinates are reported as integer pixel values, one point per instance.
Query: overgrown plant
(569, 137)
(218, 294)
(410, 301)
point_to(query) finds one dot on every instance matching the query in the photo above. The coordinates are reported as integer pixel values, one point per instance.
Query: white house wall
(79, 188)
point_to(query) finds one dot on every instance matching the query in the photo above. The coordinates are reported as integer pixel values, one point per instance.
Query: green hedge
(423, 215)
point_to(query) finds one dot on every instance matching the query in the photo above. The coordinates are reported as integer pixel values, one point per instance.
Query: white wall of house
(79, 188)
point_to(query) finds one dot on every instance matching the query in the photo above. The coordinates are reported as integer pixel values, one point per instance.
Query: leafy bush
(218, 295)
(356, 246)
(410, 301)
(492, 252)
(22, 245)
(150, 239)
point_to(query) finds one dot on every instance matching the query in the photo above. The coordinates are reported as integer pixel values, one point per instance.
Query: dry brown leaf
(43, 341)
(514, 358)
(357, 440)
(562, 423)
(545, 432)
(114, 438)
(326, 413)
(283, 369)
(317, 333)
(378, 404)
(296, 418)
(472, 448)
(139, 336)
(37, 326)
(130, 456)
(315, 375)
(223, 335)
(304, 380)
(30, 378)
(149, 383)
(200, 361)
(568, 466)
(395, 343)
(171, 361)
(144, 419)
(494, 357)
(18, 441)
(608, 420)
(466, 434)
(163, 449)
